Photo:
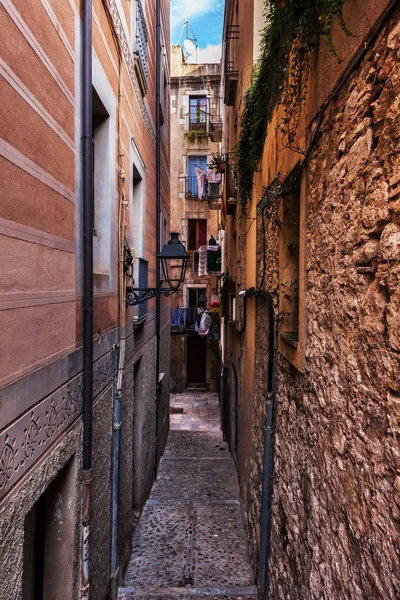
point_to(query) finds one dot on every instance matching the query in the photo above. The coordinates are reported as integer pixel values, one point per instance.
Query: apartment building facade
(52, 546)
(312, 250)
(196, 189)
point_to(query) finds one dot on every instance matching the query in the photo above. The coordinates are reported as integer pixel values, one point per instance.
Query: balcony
(231, 187)
(191, 187)
(140, 48)
(216, 128)
(230, 66)
(205, 121)
(213, 195)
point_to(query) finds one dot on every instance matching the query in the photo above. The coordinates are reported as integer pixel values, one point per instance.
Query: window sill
(139, 322)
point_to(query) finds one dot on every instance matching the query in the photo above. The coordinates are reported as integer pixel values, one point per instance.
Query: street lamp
(174, 259)
(202, 299)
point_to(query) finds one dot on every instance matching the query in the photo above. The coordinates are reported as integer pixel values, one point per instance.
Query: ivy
(193, 134)
(293, 29)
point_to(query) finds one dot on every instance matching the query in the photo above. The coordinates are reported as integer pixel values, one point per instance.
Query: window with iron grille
(140, 46)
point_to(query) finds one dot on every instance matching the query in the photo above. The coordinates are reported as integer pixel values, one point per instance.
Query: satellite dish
(189, 46)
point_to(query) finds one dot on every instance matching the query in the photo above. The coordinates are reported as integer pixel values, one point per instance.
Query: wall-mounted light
(174, 259)
(202, 299)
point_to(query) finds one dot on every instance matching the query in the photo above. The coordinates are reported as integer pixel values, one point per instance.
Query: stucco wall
(186, 79)
(41, 278)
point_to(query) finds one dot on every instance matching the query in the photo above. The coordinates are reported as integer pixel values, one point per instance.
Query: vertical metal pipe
(87, 202)
(158, 215)
(115, 451)
(116, 462)
(266, 500)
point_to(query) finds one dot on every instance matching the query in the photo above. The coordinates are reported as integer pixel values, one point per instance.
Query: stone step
(208, 593)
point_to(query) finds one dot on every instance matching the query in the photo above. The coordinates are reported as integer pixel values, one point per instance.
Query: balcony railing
(191, 187)
(198, 121)
(140, 47)
(230, 65)
(206, 122)
(231, 49)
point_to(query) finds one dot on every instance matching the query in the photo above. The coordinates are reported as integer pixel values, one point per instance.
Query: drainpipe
(116, 461)
(116, 429)
(87, 201)
(267, 478)
(158, 210)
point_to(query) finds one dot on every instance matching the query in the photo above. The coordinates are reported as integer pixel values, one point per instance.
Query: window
(102, 192)
(289, 276)
(136, 215)
(197, 297)
(194, 162)
(197, 233)
(140, 39)
(198, 115)
(291, 280)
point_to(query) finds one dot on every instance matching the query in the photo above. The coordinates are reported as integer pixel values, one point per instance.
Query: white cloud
(183, 10)
(210, 54)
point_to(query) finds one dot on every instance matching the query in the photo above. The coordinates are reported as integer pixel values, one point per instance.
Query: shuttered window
(197, 233)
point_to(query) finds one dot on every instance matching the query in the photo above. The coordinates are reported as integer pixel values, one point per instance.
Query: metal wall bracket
(135, 296)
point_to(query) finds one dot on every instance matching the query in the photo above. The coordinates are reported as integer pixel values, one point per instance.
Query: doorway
(196, 369)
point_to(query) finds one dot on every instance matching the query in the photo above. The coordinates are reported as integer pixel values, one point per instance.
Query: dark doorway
(196, 361)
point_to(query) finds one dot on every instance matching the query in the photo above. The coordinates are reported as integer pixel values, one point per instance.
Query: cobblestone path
(190, 541)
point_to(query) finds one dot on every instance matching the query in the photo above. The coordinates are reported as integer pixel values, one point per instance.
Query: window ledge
(139, 322)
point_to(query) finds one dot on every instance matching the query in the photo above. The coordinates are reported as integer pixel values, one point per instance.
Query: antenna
(190, 46)
(190, 43)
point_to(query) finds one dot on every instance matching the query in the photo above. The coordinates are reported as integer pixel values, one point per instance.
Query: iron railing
(141, 38)
(198, 121)
(231, 48)
(191, 187)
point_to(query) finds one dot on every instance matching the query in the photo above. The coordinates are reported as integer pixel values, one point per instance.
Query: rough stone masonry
(336, 507)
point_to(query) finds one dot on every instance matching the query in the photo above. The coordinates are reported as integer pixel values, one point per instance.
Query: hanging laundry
(214, 177)
(200, 176)
(205, 322)
(174, 316)
(202, 261)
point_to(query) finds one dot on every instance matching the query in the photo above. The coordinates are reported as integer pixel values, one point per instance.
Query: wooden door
(196, 366)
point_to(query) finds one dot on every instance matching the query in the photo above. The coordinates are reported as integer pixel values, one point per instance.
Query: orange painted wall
(38, 167)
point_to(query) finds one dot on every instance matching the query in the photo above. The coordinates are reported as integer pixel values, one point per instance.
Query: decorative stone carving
(128, 55)
(34, 432)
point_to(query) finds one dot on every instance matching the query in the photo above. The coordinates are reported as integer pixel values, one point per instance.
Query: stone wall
(336, 484)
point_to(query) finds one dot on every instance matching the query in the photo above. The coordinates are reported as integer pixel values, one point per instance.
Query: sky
(205, 19)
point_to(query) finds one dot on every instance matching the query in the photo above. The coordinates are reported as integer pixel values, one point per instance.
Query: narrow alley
(190, 541)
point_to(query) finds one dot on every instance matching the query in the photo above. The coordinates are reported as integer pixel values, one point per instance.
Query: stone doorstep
(210, 592)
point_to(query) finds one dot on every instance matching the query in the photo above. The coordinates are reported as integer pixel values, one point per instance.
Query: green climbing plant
(293, 29)
(193, 134)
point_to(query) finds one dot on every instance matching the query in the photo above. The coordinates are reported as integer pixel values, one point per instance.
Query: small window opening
(289, 281)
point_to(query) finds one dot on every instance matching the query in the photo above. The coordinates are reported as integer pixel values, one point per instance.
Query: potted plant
(217, 163)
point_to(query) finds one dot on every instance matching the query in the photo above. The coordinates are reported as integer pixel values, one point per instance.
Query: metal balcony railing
(140, 46)
(191, 187)
(198, 121)
(231, 50)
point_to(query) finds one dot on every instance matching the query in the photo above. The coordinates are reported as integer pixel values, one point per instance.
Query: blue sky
(205, 21)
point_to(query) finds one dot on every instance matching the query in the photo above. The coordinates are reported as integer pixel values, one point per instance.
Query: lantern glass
(174, 259)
